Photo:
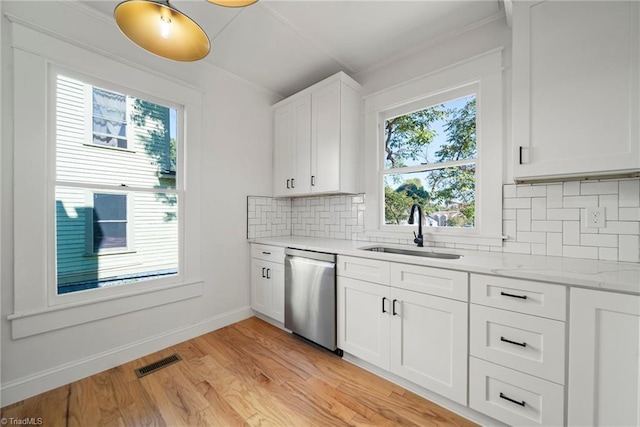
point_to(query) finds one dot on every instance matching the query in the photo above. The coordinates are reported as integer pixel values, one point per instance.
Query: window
(109, 118)
(109, 222)
(116, 210)
(430, 159)
(437, 140)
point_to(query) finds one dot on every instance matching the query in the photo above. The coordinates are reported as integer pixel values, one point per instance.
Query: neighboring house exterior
(116, 214)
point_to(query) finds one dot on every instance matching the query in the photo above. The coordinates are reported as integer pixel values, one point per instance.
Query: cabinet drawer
(267, 253)
(370, 270)
(433, 281)
(527, 343)
(513, 397)
(523, 296)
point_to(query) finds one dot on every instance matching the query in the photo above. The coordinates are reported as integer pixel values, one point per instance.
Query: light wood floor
(249, 373)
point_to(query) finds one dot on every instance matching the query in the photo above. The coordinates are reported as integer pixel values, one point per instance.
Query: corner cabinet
(604, 369)
(576, 94)
(316, 139)
(267, 281)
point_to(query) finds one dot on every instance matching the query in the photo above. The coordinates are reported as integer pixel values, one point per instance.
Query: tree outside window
(430, 159)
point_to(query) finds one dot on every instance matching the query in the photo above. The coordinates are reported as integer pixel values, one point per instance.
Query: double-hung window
(430, 159)
(436, 140)
(117, 206)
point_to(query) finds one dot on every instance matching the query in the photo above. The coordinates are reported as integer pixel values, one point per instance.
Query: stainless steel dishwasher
(310, 296)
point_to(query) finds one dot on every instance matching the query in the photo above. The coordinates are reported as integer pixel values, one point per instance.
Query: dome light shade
(233, 3)
(160, 28)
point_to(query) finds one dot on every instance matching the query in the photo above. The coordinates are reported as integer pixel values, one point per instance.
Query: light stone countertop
(603, 275)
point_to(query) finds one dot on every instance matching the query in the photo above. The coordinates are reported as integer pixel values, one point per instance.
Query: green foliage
(449, 189)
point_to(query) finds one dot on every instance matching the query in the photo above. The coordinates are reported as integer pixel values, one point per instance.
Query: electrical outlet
(595, 217)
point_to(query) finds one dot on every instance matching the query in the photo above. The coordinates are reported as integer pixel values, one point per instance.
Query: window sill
(59, 317)
(108, 147)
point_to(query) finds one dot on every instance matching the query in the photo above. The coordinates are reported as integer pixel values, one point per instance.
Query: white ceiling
(284, 46)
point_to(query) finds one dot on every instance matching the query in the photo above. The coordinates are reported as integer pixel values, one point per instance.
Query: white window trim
(37, 307)
(485, 74)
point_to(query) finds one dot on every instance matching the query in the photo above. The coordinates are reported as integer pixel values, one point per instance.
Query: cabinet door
(429, 342)
(363, 320)
(325, 139)
(260, 292)
(275, 276)
(282, 148)
(575, 88)
(301, 146)
(604, 381)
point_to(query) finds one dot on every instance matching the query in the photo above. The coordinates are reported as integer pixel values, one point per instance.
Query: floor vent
(156, 366)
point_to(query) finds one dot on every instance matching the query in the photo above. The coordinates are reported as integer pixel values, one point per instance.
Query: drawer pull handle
(503, 396)
(266, 253)
(383, 300)
(393, 307)
(263, 269)
(513, 296)
(289, 183)
(521, 344)
(268, 270)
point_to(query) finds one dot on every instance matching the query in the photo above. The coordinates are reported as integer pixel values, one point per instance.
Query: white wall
(236, 161)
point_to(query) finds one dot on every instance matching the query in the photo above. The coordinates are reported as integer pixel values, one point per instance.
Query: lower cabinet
(267, 281)
(604, 364)
(420, 337)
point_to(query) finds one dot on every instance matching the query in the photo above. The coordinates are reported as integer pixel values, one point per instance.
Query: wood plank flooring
(247, 374)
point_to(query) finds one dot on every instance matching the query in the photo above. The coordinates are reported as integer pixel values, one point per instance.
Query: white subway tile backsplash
(629, 214)
(629, 193)
(554, 196)
(629, 248)
(580, 201)
(601, 240)
(608, 254)
(531, 191)
(571, 188)
(539, 219)
(571, 233)
(523, 220)
(554, 244)
(580, 252)
(539, 208)
(602, 187)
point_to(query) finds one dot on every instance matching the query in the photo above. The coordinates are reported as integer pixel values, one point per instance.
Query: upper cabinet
(316, 139)
(575, 89)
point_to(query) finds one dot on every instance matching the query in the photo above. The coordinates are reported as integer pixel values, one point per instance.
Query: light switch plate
(595, 217)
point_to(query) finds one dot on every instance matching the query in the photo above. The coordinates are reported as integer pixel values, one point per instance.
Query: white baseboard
(32, 385)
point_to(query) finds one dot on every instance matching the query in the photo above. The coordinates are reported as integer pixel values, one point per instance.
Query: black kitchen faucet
(419, 239)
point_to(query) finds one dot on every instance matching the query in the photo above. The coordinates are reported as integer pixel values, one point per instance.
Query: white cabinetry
(316, 139)
(517, 361)
(415, 335)
(604, 366)
(576, 95)
(267, 281)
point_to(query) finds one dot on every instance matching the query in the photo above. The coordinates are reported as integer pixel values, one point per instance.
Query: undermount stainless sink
(426, 254)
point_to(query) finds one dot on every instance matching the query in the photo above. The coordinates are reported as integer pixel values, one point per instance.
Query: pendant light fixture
(160, 28)
(233, 3)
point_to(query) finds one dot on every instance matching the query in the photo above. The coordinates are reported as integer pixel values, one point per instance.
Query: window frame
(484, 73)
(411, 107)
(36, 306)
(55, 298)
